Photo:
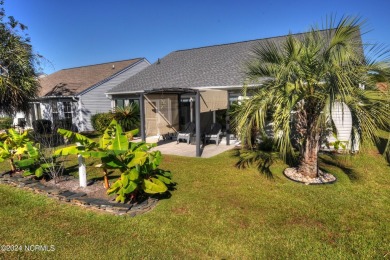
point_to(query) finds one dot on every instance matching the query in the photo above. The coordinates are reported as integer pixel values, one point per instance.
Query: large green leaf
(134, 174)
(164, 179)
(107, 138)
(125, 179)
(130, 187)
(120, 141)
(27, 172)
(39, 172)
(25, 163)
(112, 162)
(138, 159)
(75, 137)
(114, 187)
(67, 150)
(153, 186)
(32, 151)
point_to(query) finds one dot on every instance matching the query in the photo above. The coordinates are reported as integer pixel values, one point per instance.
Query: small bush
(101, 121)
(42, 126)
(128, 117)
(5, 122)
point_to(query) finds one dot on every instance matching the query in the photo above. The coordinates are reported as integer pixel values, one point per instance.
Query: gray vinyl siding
(94, 101)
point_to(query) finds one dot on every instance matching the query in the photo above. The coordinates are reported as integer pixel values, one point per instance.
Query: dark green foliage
(18, 81)
(128, 117)
(42, 126)
(101, 121)
(63, 123)
(5, 123)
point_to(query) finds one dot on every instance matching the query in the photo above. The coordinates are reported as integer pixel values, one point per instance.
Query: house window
(125, 102)
(119, 102)
(134, 101)
(54, 109)
(67, 110)
(38, 112)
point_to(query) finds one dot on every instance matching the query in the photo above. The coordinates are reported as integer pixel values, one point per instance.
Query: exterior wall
(95, 101)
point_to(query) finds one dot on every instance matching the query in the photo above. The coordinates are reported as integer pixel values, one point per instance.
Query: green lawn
(219, 211)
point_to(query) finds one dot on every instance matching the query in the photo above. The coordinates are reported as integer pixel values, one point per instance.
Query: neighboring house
(189, 85)
(74, 95)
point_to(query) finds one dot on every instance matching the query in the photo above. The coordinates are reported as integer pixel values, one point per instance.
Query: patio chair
(214, 133)
(189, 130)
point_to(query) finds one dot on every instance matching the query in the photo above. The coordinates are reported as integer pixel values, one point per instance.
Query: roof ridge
(91, 65)
(267, 38)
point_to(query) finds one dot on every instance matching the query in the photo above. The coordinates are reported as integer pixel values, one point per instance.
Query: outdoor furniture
(189, 130)
(214, 133)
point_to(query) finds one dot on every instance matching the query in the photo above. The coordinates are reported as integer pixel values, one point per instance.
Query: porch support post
(197, 123)
(142, 114)
(227, 121)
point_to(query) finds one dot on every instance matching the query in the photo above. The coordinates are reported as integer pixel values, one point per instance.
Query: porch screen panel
(212, 100)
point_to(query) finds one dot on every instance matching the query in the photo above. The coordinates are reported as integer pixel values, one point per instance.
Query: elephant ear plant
(13, 146)
(22, 153)
(138, 165)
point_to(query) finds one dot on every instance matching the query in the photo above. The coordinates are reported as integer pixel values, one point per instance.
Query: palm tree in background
(300, 80)
(18, 79)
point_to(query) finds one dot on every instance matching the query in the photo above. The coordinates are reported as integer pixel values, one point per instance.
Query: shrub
(5, 122)
(42, 126)
(128, 117)
(101, 121)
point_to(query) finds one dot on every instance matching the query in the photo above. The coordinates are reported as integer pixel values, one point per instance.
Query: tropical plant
(18, 81)
(34, 162)
(128, 117)
(138, 166)
(300, 79)
(13, 146)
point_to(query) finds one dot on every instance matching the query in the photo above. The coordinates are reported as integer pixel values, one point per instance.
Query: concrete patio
(189, 150)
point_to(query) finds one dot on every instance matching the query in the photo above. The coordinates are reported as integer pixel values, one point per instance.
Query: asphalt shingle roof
(69, 82)
(212, 66)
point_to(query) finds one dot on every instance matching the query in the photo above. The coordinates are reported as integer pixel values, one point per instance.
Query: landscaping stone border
(79, 198)
(323, 178)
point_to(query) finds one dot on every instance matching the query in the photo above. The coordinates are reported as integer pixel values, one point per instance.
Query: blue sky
(71, 33)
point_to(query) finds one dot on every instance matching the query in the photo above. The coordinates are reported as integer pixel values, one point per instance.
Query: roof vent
(113, 66)
(158, 61)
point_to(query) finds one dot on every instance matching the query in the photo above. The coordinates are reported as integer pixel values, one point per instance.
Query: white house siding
(342, 119)
(94, 100)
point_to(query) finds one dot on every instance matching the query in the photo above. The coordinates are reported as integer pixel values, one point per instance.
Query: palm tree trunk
(308, 163)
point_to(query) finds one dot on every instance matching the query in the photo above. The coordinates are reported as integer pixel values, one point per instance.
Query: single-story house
(191, 85)
(75, 94)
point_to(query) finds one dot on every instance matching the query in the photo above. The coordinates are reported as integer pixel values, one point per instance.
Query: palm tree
(128, 117)
(300, 80)
(18, 81)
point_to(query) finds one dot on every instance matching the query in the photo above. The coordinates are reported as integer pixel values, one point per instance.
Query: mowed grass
(218, 211)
